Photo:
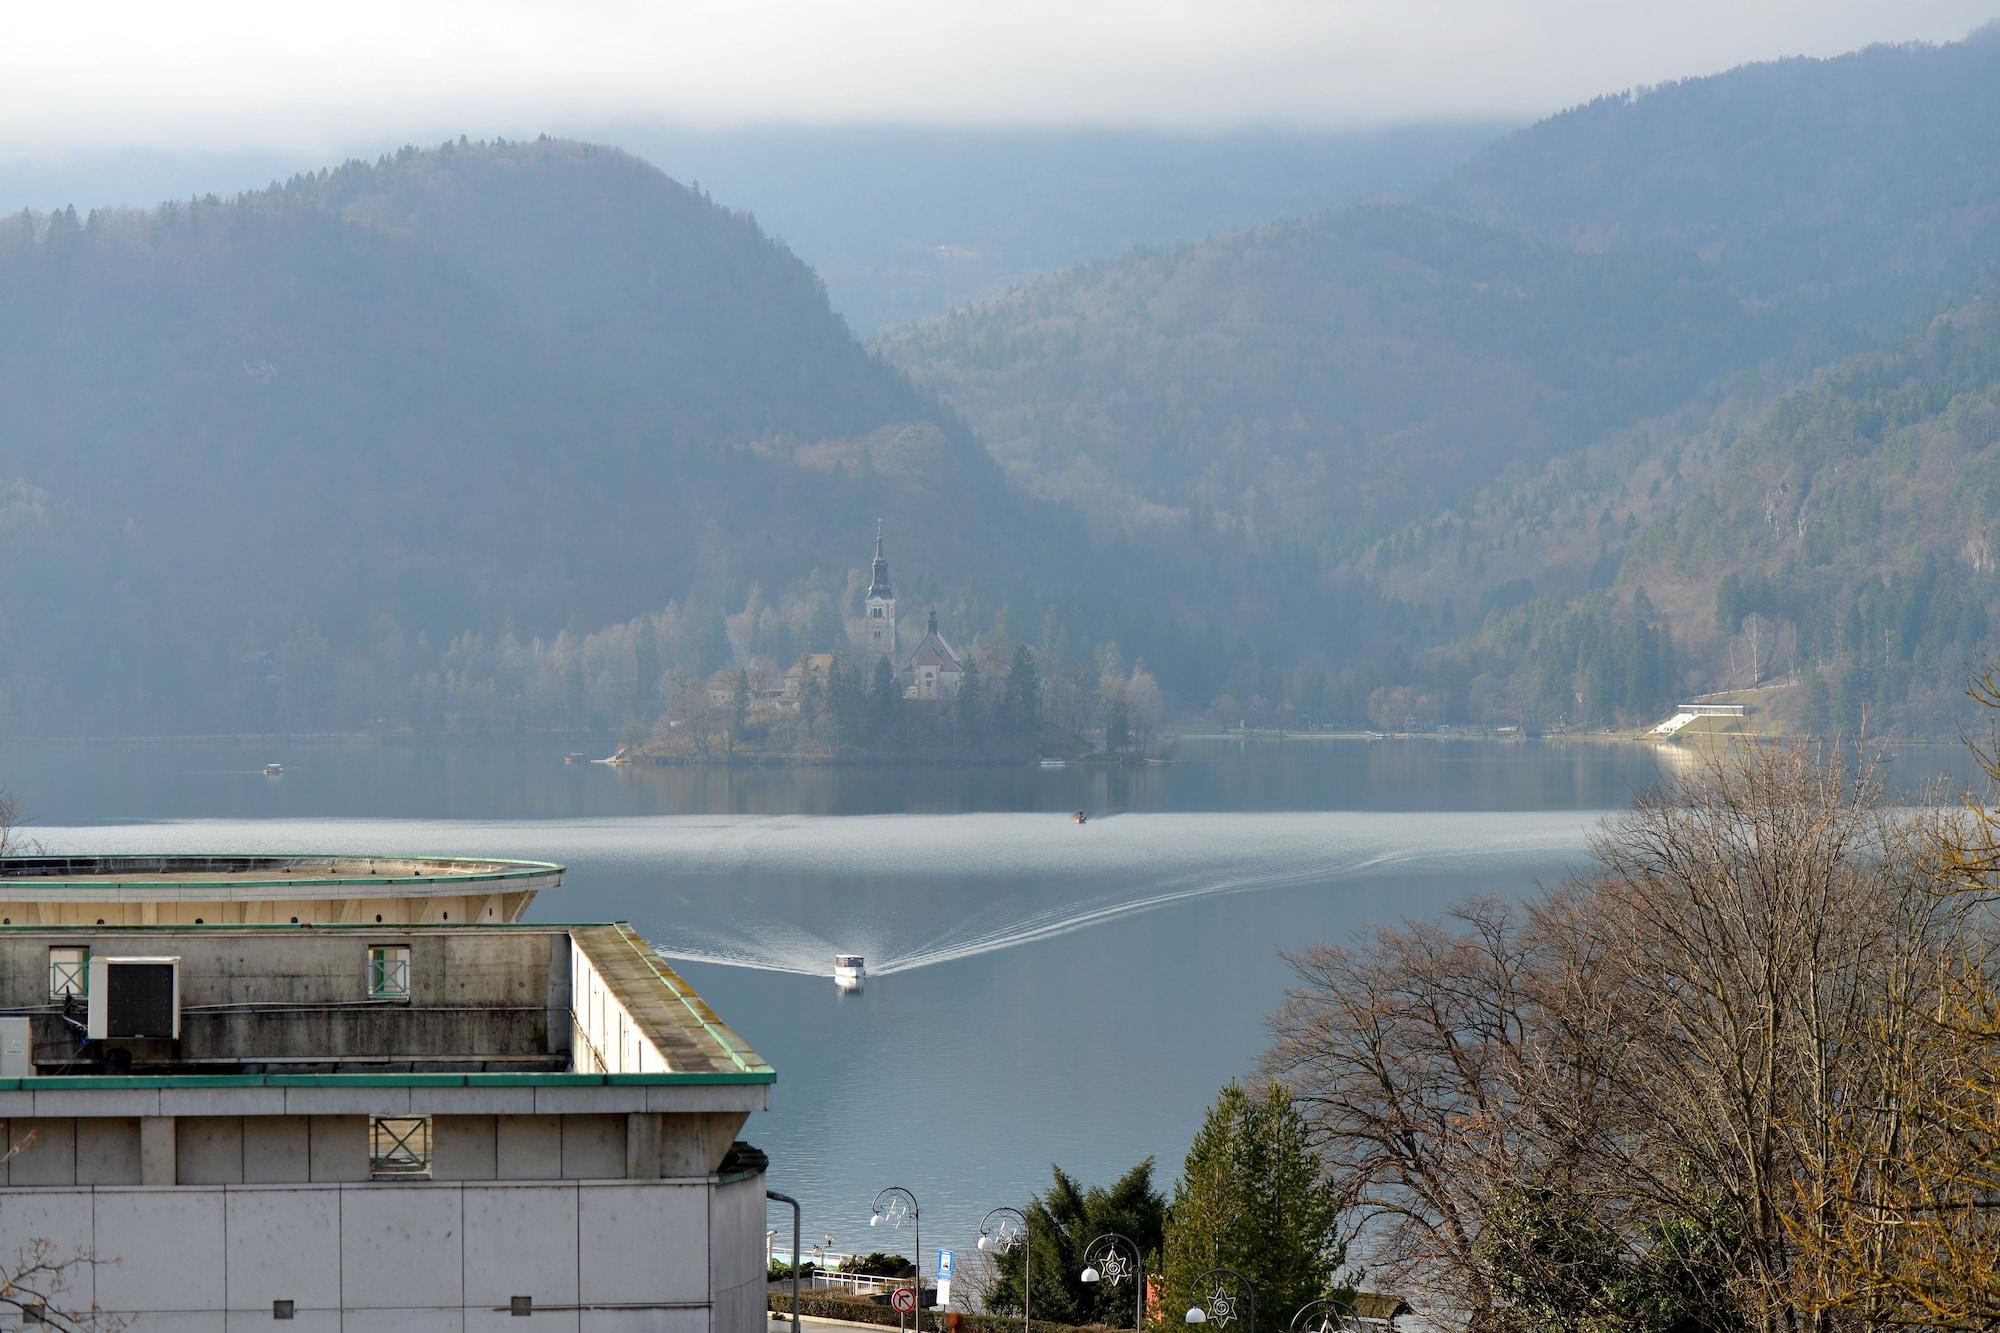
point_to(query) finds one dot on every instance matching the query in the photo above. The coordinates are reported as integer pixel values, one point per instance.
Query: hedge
(860, 1310)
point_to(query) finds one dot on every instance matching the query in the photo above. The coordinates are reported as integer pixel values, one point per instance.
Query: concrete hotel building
(361, 1094)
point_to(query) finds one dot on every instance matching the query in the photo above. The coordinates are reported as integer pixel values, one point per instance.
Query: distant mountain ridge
(509, 435)
(1485, 395)
(528, 386)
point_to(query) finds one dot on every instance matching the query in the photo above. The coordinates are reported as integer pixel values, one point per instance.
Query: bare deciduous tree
(1687, 1043)
(1406, 1055)
(37, 1285)
(11, 841)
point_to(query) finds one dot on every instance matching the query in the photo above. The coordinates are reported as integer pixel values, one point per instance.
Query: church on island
(933, 670)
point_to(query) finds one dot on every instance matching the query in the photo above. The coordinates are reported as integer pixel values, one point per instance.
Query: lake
(1039, 992)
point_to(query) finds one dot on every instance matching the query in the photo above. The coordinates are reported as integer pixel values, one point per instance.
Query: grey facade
(368, 1127)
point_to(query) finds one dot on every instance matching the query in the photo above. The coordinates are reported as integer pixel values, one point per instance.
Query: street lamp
(893, 1215)
(1002, 1240)
(1329, 1316)
(1112, 1268)
(1221, 1309)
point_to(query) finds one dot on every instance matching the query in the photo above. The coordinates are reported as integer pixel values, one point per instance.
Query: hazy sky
(226, 76)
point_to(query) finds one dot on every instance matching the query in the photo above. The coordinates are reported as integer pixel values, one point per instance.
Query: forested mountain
(1485, 404)
(1868, 180)
(1677, 391)
(1328, 380)
(905, 222)
(267, 458)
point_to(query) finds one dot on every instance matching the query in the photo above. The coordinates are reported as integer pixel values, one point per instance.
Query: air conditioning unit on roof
(134, 999)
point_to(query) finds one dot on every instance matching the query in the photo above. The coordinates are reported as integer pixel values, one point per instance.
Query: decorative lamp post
(1114, 1268)
(1324, 1315)
(1221, 1307)
(1001, 1239)
(902, 1203)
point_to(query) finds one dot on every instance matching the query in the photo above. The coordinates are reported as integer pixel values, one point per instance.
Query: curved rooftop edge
(238, 871)
(232, 887)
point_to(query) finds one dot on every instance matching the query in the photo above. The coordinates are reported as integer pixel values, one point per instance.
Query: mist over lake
(1038, 991)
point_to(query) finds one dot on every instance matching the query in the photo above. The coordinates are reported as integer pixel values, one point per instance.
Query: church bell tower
(881, 607)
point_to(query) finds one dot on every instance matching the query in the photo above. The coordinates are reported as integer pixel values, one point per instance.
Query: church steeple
(881, 606)
(878, 583)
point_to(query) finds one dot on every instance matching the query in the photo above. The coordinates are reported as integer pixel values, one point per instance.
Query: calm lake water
(1038, 992)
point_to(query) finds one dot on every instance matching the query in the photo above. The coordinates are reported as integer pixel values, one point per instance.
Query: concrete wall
(55, 1151)
(409, 1257)
(607, 1039)
(252, 997)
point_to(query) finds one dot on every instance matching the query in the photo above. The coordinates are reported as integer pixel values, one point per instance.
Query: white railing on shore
(825, 1274)
(858, 1284)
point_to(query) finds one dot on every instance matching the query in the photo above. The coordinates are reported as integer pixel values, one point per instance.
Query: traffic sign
(905, 1300)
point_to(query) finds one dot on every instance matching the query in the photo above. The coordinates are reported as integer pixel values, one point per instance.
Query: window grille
(399, 1147)
(69, 972)
(389, 972)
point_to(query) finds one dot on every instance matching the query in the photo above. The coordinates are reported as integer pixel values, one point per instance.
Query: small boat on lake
(274, 770)
(576, 757)
(849, 971)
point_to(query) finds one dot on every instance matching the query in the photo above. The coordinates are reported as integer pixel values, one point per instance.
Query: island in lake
(871, 699)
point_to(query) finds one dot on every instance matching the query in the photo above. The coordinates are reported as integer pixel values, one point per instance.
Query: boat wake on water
(1160, 864)
(786, 893)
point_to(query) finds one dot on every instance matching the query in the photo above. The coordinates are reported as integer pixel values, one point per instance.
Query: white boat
(1055, 763)
(274, 770)
(849, 971)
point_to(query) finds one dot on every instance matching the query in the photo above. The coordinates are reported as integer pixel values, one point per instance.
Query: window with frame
(69, 972)
(388, 971)
(399, 1147)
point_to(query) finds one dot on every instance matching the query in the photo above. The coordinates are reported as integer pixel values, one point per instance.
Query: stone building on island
(362, 1094)
(879, 607)
(933, 671)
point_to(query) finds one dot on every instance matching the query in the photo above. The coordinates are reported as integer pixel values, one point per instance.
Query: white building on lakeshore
(227, 1107)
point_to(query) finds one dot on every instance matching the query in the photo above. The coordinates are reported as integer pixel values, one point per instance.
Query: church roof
(934, 651)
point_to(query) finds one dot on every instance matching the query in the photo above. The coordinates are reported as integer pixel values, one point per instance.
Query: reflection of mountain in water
(911, 891)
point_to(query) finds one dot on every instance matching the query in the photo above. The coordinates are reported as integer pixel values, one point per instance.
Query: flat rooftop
(465, 1005)
(236, 889)
(236, 872)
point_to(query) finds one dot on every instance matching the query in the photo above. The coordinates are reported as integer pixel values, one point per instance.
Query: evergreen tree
(885, 702)
(970, 706)
(812, 699)
(844, 702)
(739, 705)
(1729, 607)
(1062, 1222)
(645, 670)
(1251, 1198)
(1021, 704)
(1818, 716)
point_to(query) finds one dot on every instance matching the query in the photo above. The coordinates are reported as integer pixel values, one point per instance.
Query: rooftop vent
(135, 999)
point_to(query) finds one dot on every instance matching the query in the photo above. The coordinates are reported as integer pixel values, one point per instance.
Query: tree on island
(1251, 1197)
(885, 703)
(1020, 704)
(970, 706)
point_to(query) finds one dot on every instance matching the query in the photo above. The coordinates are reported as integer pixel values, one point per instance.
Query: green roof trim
(136, 1082)
(697, 1008)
